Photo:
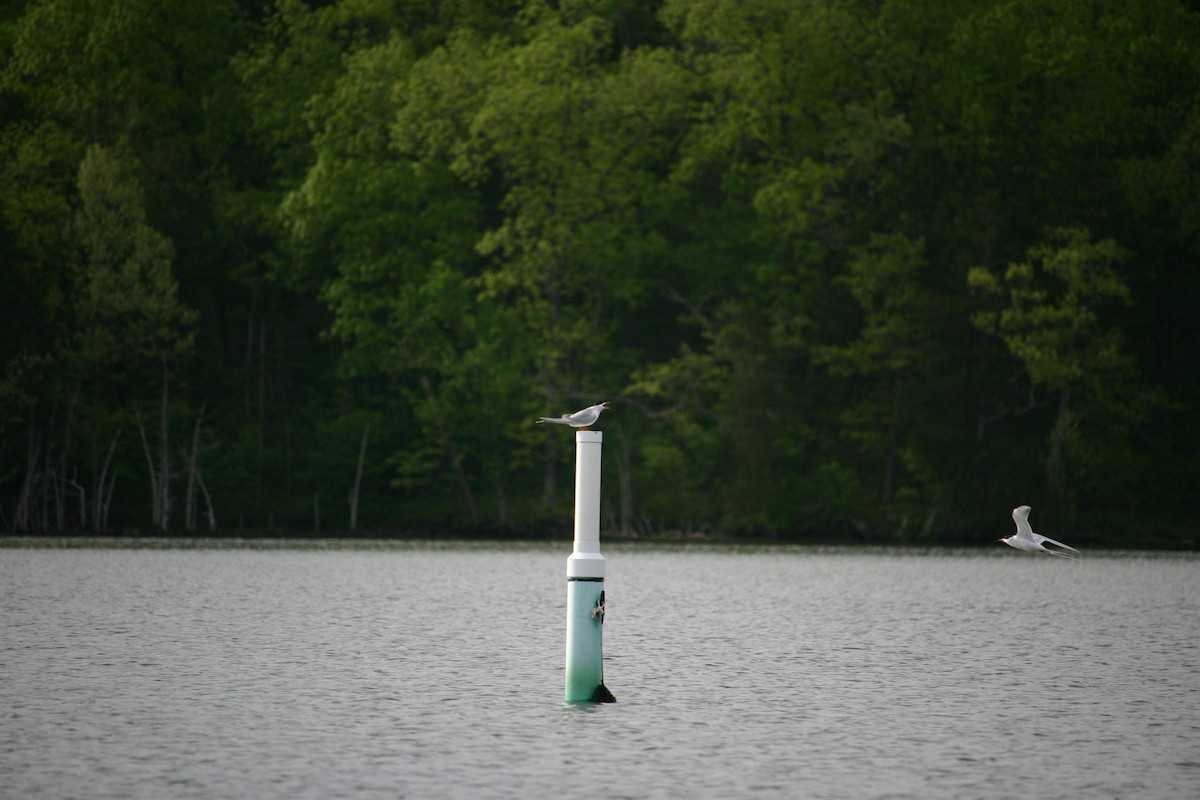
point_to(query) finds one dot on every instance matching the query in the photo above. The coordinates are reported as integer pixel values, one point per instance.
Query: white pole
(585, 579)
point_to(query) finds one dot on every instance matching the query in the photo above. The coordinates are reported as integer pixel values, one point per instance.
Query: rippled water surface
(425, 671)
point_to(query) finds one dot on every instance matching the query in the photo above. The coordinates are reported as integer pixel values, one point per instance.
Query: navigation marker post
(585, 579)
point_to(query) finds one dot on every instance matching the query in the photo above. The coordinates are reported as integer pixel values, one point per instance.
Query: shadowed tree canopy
(843, 269)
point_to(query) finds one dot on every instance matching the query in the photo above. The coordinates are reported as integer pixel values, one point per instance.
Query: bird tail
(1044, 540)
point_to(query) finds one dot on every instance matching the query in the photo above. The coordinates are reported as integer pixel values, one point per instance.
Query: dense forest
(845, 269)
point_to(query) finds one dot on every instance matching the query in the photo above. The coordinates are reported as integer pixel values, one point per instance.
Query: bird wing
(580, 418)
(586, 416)
(1020, 516)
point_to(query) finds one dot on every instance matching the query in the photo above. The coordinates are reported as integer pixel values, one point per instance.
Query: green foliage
(126, 296)
(885, 279)
(866, 269)
(1050, 320)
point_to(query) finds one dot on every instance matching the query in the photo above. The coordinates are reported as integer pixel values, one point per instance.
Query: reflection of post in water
(585, 580)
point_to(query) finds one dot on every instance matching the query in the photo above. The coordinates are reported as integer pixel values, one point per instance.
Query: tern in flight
(1026, 539)
(580, 419)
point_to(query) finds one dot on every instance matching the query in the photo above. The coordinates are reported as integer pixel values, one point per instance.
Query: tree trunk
(102, 493)
(60, 472)
(248, 393)
(81, 492)
(155, 497)
(262, 411)
(192, 458)
(893, 443)
(452, 454)
(23, 513)
(1056, 461)
(362, 453)
(164, 456)
(160, 473)
(212, 515)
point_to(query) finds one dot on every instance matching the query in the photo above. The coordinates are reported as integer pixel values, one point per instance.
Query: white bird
(580, 419)
(1026, 539)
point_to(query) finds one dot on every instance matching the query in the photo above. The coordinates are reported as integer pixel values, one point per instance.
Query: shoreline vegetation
(547, 536)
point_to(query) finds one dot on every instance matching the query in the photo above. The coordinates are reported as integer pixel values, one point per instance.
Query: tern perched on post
(1026, 539)
(580, 419)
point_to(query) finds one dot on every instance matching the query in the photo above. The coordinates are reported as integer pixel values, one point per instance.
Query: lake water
(425, 671)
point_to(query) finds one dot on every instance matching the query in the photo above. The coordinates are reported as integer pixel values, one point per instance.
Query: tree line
(880, 268)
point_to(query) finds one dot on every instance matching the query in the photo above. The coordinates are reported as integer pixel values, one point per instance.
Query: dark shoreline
(131, 538)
